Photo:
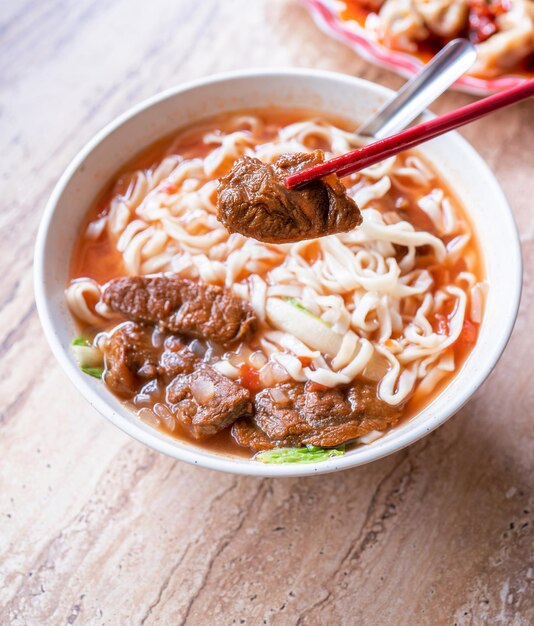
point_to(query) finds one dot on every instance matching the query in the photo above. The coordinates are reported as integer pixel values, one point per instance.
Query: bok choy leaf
(89, 358)
(310, 454)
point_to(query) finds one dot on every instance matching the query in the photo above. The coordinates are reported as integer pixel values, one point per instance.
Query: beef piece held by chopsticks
(254, 201)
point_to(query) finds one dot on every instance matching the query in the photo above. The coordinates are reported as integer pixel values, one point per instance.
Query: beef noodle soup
(290, 351)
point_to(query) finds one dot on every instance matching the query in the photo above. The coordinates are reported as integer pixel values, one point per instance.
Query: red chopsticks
(379, 150)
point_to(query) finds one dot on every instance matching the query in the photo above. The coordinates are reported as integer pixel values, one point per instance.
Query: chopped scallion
(79, 341)
(302, 308)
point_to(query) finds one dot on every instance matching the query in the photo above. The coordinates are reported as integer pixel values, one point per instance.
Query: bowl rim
(193, 454)
(403, 63)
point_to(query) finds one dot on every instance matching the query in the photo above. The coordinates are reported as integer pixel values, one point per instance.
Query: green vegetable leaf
(96, 372)
(298, 305)
(310, 454)
(79, 341)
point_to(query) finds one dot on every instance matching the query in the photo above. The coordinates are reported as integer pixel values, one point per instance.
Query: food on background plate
(293, 352)
(502, 30)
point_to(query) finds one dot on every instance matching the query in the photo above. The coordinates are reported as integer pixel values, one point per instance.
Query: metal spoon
(421, 90)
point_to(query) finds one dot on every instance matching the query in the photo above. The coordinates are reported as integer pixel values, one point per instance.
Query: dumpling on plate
(444, 18)
(399, 25)
(513, 41)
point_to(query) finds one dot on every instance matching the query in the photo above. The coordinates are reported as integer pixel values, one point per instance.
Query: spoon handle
(420, 91)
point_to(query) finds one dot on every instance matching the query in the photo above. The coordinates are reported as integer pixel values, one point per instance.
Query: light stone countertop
(97, 529)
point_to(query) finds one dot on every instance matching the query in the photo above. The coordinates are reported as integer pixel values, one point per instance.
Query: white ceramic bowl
(333, 93)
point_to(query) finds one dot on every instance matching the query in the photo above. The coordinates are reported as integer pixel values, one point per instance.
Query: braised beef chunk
(202, 400)
(143, 357)
(130, 359)
(211, 312)
(183, 306)
(205, 402)
(248, 434)
(294, 414)
(176, 359)
(254, 201)
(145, 300)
